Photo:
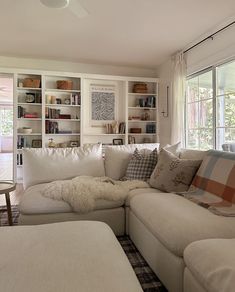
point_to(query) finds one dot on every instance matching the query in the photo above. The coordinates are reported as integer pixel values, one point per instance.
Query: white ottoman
(80, 256)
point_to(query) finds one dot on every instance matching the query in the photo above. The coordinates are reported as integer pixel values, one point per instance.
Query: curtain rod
(209, 37)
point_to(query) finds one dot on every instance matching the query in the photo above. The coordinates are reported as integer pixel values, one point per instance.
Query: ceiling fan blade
(77, 9)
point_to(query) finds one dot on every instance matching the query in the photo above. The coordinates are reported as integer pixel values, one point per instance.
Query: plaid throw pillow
(141, 165)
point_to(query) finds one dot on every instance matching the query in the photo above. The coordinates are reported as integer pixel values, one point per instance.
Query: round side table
(6, 188)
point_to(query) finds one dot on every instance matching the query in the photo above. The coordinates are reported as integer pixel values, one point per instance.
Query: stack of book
(151, 128)
(52, 127)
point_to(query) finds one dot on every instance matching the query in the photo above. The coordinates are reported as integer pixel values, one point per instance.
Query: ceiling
(139, 33)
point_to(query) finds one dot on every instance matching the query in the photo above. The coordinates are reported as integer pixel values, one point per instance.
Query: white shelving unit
(34, 101)
(142, 112)
(63, 115)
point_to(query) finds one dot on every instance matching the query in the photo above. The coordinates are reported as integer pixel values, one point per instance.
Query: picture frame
(131, 140)
(103, 104)
(117, 141)
(37, 143)
(74, 144)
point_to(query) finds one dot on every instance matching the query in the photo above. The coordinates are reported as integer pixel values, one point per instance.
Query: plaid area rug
(4, 217)
(148, 280)
(146, 277)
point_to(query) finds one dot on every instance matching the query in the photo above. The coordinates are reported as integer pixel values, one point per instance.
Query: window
(210, 108)
(6, 121)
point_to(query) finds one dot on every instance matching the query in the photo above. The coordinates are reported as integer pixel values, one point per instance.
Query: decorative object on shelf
(109, 128)
(115, 127)
(122, 127)
(36, 143)
(147, 140)
(102, 104)
(53, 99)
(48, 99)
(135, 130)
(146, 115)
(51, 143)
(30, 97)
(62, 145)
(25, 130)
(151, 128)
(131, 140)
(67, 100)
(64, 84)
(20, 83)
(31, 83)
(74, 144)
(142, 102)
(140, 88)
(58, 100)
(117, 142)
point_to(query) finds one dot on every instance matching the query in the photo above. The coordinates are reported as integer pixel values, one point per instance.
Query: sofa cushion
(177, 222)
(212, 263)
(47, 164)
(173, 174)
(137, 192)
(117, 158)
(141, 165)
(33, 202)
(192, 154)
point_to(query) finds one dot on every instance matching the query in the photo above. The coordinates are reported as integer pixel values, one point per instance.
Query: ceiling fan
(73, 5)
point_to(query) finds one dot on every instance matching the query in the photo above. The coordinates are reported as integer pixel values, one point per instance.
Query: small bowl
(26, 130)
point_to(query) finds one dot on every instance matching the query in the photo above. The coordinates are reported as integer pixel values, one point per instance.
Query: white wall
(53, 65)
(212, 52)
(164, 73)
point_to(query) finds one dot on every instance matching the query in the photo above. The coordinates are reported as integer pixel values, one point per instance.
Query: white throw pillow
(173, 174)
(48, 164)
(192, 154)
(117, 158)
(174, 149)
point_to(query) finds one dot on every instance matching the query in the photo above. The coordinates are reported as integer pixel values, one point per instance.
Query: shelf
(31, 134)
(62, 90)
(141, 108)
(29, 88)
(140, 121)
(67, 134)
(103, 134)
(29, 103)
(66, 120)
(66, 105)
(141, 94)
(142, 134)
(29, 119)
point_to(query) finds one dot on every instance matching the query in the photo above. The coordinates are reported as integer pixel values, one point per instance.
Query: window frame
(214, 70)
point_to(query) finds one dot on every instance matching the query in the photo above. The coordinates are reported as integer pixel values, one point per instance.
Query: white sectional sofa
(162, 225)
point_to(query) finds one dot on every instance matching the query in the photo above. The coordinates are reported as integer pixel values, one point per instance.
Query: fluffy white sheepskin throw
(82, 191)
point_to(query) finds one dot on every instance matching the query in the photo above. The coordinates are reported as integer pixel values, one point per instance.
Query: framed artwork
(36, 143)
(103, 104)
(74, 144)
(117, 142)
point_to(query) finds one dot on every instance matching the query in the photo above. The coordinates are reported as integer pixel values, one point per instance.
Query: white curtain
(178, 99)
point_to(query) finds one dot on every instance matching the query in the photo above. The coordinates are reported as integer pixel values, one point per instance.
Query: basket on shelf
(135, 130)
(64, 84)
(140, 88)
(31, 83)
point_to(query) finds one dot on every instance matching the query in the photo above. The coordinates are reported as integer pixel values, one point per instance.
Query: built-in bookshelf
(142, 111)
(48, 116)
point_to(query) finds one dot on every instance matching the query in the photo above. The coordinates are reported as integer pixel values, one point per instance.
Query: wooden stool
(5, 188)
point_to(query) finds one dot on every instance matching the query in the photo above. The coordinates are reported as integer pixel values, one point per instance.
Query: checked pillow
(141, 165)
